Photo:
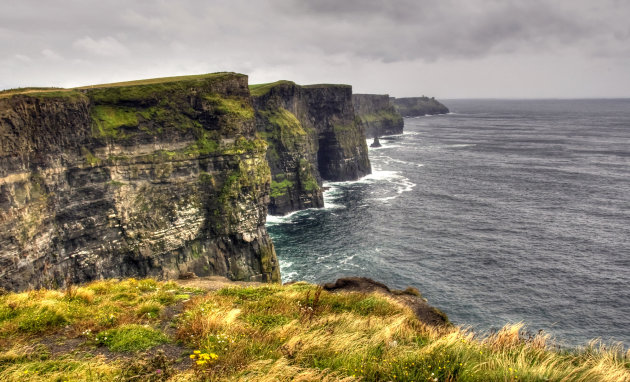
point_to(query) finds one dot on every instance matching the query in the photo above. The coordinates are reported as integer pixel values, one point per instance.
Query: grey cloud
(89, 40)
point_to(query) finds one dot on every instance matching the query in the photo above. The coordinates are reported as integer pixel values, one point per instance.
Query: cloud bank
(448, 48)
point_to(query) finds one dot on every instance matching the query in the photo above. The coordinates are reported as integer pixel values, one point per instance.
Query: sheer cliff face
(312, 135)
(343, 153)
(377, 114)
(154, 178)
(418, 106)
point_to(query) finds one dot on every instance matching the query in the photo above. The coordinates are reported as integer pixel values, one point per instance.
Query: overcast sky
(441, 48)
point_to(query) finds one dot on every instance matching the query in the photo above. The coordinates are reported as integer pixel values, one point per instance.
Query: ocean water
(503, 211)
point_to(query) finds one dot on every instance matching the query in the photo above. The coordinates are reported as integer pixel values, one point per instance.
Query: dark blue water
(505, 211)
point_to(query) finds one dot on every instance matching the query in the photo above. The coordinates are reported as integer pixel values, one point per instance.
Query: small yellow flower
(192, 356)
(201, 362)
(197, 352)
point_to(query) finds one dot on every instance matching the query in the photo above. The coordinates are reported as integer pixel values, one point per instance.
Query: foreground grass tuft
(131, 338)
(266, 333)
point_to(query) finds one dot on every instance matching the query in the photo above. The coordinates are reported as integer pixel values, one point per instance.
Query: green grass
(236, 107)
(43, 93)
(269, 333)
(257, 90)
(162, 80)
(131, 338)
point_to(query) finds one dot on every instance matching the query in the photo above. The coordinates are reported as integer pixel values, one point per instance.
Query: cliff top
(61, 92)
(258, 90)
(162, 80)
(370, 95)
(165, 331)
(316, 86)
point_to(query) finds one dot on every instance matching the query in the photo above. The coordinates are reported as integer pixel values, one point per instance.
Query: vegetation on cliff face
(162, 331)
(378, 114)
(292, 147)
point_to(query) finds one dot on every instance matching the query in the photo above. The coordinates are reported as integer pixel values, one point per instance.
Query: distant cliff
(313, 135)
(418, 106)
(378, 114)
(147, 178)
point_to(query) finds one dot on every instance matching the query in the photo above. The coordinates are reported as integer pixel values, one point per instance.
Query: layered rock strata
(378, 114)
(313, 135)
(148, 178)
(419, 106)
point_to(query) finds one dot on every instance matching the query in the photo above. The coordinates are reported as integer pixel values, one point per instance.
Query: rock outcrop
(410, 297)
(419, 106)
(147, 178)
(378, 114)
(313, 135)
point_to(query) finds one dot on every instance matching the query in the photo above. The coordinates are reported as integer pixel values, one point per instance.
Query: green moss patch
(236, 107)
(279, 189)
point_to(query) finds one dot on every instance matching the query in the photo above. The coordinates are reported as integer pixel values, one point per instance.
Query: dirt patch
(211, 283)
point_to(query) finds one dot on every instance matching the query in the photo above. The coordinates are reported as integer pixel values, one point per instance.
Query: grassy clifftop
(164, 331)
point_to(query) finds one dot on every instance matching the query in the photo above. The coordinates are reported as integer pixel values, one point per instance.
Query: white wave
(392, 160)
(386, 199)
(406, 186)
(462, 145)
(284, 264)
(330, 195)
(281, 219)
(288, 276)
(384, 145)
(349, 258)
(322, 258)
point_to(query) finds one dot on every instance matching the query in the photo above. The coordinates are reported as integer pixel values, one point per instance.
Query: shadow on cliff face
(410, 297)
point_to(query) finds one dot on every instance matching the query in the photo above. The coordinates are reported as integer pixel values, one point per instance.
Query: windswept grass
(272, 333)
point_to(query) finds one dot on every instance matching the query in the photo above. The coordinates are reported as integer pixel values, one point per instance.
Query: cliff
(313, 135)
(378, 114)
(146, 178)
(419, 106)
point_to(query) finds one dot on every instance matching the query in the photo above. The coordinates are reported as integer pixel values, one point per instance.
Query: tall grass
(271, 333)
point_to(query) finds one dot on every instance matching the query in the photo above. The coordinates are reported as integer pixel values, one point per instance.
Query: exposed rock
(419, 106)
(378, 114)
(410, 297)
(150, 178)
(376, 143)
(313, 136)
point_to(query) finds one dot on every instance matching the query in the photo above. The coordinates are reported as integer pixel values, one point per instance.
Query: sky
(440, 48)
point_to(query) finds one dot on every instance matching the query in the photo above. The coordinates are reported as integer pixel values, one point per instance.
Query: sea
(502, 211)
